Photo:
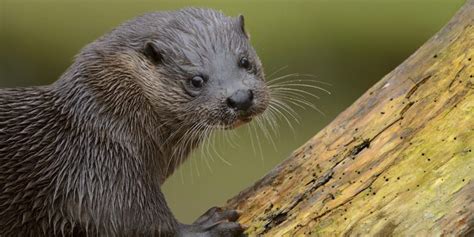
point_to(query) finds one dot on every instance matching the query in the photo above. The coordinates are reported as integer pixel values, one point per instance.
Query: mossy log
(399, 161)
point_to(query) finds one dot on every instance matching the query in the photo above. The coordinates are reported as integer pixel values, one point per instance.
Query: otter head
(196, 67)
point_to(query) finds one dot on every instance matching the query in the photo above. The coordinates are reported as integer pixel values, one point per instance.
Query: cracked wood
(399, 161)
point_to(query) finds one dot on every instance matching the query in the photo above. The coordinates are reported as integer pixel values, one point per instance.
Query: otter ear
(152, 52)
(242, 25)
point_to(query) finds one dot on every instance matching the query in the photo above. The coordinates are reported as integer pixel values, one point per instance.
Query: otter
(86, 155)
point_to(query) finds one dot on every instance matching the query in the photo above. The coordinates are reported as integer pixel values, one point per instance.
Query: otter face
(229, 91)
(204, 70)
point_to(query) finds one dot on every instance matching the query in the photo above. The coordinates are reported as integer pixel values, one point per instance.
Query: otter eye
(197, 82)
(244, 63)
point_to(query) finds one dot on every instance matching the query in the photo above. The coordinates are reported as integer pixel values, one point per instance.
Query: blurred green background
(350, 44)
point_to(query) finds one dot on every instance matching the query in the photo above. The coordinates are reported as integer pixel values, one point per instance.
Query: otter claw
(216, 222)
(217, 214)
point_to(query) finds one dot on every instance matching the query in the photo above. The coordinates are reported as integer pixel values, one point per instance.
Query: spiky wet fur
(87, 154)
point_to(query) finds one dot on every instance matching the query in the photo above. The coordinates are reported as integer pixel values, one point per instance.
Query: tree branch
(399, 161)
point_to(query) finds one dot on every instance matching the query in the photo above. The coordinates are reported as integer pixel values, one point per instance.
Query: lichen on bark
(399, 161)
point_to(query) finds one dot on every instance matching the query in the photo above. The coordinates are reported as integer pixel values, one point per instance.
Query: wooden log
(399, 161)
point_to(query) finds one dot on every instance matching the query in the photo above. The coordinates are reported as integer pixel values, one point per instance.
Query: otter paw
(216, 222)
(217, 214)
(224, 228)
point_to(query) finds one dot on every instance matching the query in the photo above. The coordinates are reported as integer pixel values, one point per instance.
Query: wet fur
(87, 154)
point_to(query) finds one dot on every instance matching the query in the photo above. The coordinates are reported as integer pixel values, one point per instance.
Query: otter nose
(240, 100)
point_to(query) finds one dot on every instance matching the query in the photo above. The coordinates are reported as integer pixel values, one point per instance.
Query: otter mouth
(235, 124)
(232, 119)
(241, 121)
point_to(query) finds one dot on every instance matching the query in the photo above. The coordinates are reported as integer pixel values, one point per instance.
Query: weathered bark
(399, 161)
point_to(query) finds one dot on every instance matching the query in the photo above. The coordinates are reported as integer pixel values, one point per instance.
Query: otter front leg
(215, 222)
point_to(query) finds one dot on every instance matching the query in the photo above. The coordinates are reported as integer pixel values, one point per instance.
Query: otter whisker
(296, 78)
(193, 163)
(205, 137)
(277, 71)
(219, 155)
(302, 85)
(294, 98)
(292, 91)
(206, 142)
(269, 117)
(286, 108)
(178, 127)
(178, 152)
(203, 154)
(278, 79)
(291, 101)
(272, 117)
(249, 130)
(196, 168)
(228, 137)
(212, 144)
(272, 106)
(265, 132)
(295, 81)
(259, 146)
(301, 102)
(306, 75)
(175, 133)
(189, 137)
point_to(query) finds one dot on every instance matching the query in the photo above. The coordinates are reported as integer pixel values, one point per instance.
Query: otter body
(86, 155)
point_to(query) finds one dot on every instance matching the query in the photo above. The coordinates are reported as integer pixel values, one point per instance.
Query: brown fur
(87, 154)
